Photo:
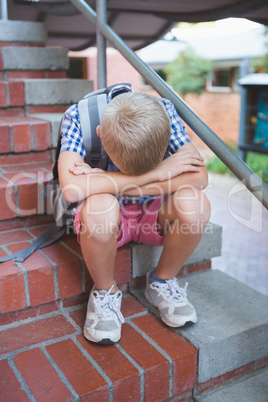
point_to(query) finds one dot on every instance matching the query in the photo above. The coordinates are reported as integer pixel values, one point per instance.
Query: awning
(138, 22)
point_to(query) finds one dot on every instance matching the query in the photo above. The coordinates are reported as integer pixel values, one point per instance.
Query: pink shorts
(139, 223)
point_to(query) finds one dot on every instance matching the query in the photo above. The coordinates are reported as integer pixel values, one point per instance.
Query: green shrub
(257, 162)
(188, 73)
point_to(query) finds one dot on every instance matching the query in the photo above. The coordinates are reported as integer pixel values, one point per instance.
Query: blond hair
(135, 132)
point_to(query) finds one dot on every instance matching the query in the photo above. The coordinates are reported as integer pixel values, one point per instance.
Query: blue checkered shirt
(72, 140)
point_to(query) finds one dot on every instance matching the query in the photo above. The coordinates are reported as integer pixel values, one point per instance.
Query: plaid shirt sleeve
(71, 135)
(178, 136)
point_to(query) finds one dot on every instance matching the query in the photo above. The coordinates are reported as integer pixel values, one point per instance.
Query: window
(222, 80)
(77, 68)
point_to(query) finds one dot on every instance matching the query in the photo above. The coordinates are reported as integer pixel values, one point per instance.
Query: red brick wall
(118, 70)
(220, 111)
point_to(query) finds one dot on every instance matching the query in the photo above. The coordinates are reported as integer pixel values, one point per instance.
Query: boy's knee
(191, 206)
(100, 215)
(100, 205)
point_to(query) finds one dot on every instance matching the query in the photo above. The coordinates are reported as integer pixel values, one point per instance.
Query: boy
(139, 197)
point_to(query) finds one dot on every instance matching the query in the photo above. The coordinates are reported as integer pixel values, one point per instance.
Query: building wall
(220, 111)
(118, 69)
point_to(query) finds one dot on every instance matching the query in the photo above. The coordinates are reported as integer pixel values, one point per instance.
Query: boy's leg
(100, 219)
(182, 217)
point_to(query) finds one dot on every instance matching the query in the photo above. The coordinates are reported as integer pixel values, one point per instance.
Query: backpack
(90, 110)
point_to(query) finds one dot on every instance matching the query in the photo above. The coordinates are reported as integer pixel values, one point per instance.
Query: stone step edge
(243, 387)
(44, 92)
(231, 332)
(20, 58)
(23, 31)
(40, 93)
(145, 256)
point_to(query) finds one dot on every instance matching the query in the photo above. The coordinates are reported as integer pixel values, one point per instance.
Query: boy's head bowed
(135, 132)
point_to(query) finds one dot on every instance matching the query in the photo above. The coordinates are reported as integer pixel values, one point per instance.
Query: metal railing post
(3, 10)
(253, 183)
(244, 68)
(101, 9)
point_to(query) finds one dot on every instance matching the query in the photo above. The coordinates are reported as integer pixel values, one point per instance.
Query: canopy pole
(101, 9)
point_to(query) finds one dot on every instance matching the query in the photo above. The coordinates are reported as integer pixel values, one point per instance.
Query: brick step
(22, 32)
(42, 95)
(22, 184)
(44, 354)
(54, 273)
(46, 357)
(21, 134)
(231, 334)
(58, 272)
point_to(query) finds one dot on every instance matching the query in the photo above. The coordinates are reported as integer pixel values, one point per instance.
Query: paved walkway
(245, 232)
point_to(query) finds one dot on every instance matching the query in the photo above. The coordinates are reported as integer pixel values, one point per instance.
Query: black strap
(40, 242)
(95, 152)
(122, 84)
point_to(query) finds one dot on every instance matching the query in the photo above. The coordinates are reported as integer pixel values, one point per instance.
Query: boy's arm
(77, 187)
(197, 180)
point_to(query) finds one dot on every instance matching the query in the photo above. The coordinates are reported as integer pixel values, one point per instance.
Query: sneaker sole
(103, 341)
(185, 321)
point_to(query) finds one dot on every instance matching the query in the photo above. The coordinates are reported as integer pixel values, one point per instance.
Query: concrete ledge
(253, 388)
(34, 58)
(233, 323)
(145, 257)
(232, 327)
(22, 31)
(55, 92)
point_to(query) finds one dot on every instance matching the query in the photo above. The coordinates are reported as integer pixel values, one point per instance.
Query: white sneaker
(171, 300)
(104, 318)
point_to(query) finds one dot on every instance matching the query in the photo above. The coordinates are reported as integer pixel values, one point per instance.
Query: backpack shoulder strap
(90, 113)
(90, 110)
(55, 232)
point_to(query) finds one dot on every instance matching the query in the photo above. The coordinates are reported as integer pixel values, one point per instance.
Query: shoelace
(107, 302)
(172, 291)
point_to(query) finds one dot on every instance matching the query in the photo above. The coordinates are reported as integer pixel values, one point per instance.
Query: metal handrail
(251, 181)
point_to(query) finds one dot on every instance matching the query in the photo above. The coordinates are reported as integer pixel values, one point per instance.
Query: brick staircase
(43, 354)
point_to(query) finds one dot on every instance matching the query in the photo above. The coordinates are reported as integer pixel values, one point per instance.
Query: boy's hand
(178, 163)
(83, 168)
